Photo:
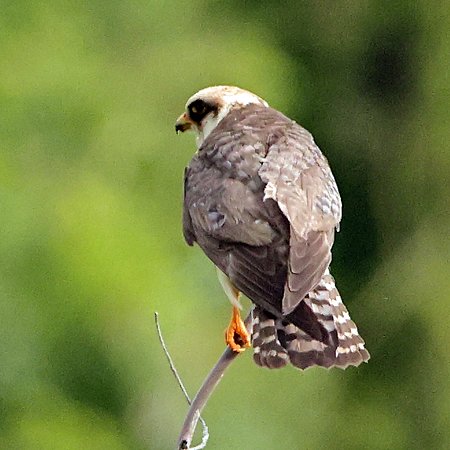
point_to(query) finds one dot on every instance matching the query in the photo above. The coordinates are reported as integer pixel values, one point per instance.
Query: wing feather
(188, 230)
(298, 178)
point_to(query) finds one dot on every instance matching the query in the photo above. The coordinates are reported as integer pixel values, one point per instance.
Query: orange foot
(236, 335)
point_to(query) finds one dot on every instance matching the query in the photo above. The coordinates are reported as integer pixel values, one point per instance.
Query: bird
(261, 201)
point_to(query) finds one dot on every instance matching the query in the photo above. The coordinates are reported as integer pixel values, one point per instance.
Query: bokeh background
(90, 220)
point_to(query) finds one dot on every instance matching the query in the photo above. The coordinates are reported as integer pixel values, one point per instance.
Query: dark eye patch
(198, 109)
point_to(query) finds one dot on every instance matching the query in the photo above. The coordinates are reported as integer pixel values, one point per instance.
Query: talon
(236, 335)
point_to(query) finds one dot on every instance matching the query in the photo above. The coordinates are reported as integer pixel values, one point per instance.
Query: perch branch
(205, 391)
(205, 434)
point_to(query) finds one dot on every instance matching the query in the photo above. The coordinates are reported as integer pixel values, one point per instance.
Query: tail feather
(277, 342)
(268, 350)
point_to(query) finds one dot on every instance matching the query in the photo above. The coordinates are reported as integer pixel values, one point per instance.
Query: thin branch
(205, 434)
(205, 391)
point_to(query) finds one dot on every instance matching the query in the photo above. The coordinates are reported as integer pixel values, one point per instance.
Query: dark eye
(198, 109)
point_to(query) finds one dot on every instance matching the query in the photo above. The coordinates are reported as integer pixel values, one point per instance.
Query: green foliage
(91, 243)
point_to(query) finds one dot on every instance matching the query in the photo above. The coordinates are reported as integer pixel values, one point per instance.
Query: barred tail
(277, 342)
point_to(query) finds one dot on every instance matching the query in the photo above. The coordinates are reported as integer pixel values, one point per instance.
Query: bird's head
(206, 108)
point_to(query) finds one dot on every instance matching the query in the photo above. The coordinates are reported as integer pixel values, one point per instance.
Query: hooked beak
(183, 123)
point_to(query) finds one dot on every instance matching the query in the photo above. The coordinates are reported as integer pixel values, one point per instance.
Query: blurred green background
(91, 244)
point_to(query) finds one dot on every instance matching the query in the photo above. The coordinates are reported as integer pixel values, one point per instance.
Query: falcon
(261, 202)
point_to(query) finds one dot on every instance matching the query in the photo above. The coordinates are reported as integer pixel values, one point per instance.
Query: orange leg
(236, 335)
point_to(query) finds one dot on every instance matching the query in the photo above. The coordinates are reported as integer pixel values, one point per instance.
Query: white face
(221, 99)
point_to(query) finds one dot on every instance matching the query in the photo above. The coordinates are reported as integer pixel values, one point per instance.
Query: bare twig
(205, 391)
(205, 434)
